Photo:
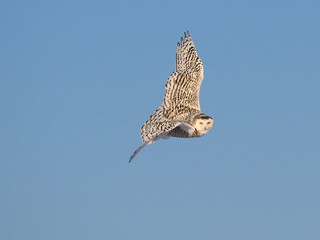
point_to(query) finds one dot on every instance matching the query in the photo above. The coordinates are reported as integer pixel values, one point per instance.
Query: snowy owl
(179, 115)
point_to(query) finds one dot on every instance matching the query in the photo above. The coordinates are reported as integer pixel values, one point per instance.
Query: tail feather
(138, 150)
(162, 135)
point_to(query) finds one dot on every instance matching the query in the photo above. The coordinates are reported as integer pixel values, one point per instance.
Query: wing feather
(183, 86)
(156, 125)
(181, 93)
(181, 97)
(187, 60)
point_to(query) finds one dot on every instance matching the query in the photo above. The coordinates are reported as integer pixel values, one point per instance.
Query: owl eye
(201, 123)
(208, 123)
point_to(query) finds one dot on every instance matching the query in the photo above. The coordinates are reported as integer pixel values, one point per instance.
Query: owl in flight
(179, 115)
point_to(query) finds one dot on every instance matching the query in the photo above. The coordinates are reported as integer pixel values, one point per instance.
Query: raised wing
(187, 60)
(183, 85)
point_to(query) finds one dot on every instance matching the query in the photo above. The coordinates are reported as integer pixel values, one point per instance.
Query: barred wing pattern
(183, 86)
(187, 59)
(156, 125)
(154, 128)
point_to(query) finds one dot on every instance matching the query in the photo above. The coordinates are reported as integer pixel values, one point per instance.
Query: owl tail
(162, 135)
(138, 150)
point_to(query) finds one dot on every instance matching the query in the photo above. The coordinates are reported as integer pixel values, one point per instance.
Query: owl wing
(154, 128)
(183, 86)
(156, 125)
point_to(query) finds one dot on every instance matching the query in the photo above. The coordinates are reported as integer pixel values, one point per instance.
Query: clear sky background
(79, 78)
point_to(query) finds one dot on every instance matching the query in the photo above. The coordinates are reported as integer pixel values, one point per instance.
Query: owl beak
(209, 128)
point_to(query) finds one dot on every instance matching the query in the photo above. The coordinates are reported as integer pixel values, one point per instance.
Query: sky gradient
(79, 78)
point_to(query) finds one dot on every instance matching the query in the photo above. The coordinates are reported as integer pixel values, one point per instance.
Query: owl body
(198, 125)
(179, 115)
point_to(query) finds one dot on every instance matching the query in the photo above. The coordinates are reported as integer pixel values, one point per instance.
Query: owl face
(204, 125)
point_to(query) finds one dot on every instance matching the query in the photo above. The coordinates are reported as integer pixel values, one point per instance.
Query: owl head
(204, 124)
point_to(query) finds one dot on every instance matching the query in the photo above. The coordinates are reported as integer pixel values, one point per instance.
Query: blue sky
(79, 78)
